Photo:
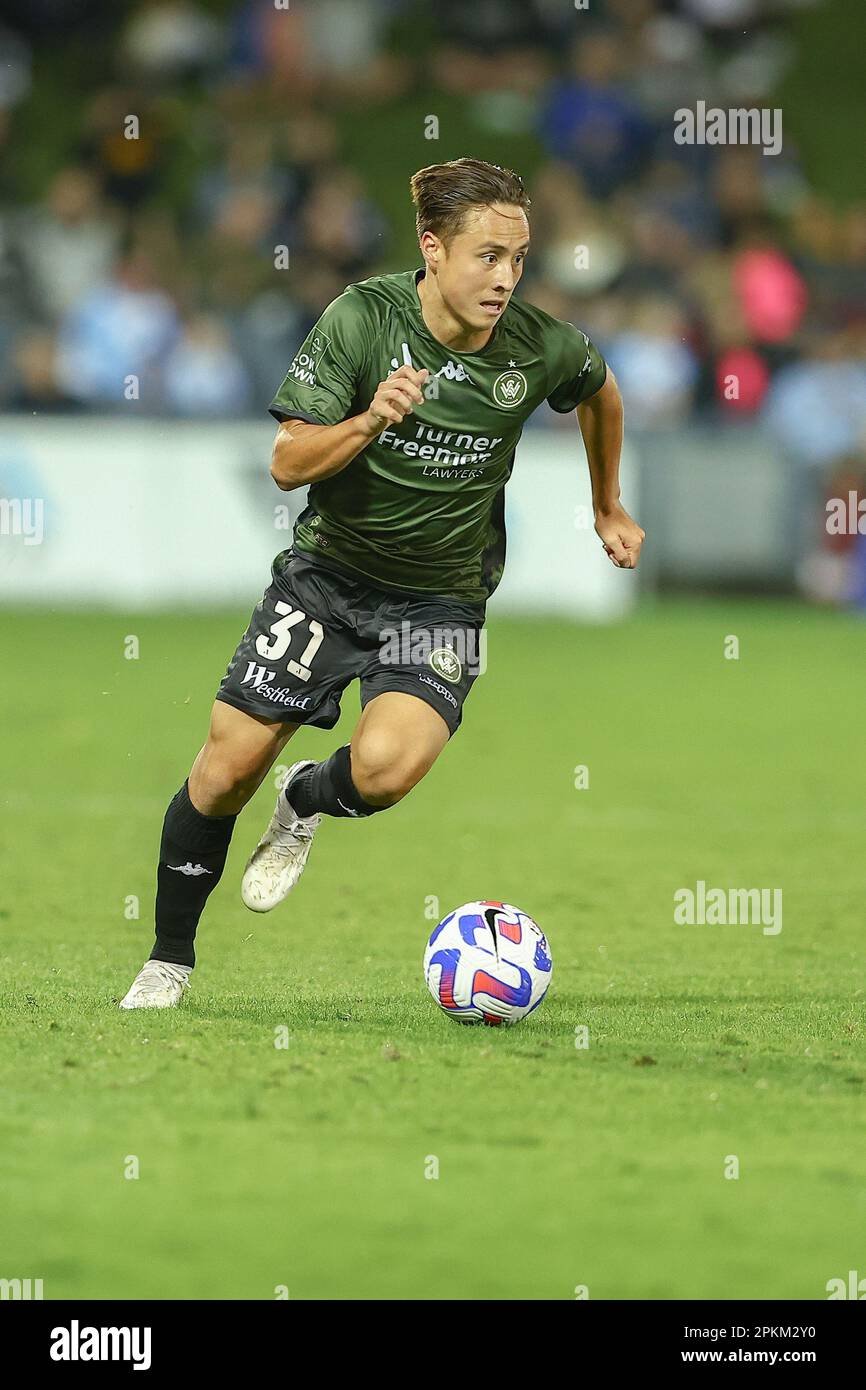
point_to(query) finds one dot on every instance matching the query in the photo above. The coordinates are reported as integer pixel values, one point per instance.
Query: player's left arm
(600, 420)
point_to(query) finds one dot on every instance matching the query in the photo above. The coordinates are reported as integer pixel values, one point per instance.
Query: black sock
(328, 787)
(192, 856)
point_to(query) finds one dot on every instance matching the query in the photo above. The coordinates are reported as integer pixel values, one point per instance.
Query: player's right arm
(305, 452)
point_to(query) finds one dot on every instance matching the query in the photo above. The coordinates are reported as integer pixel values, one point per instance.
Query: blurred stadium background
(167, 278)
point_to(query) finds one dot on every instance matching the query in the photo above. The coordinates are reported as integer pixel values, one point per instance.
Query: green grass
(557, 1167)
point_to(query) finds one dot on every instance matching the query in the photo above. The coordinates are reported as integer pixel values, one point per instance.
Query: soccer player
(402, 411)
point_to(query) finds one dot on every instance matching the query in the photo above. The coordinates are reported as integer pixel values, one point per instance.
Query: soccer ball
(488, 962)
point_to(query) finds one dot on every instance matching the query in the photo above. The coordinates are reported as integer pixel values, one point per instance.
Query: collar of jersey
(489, 347)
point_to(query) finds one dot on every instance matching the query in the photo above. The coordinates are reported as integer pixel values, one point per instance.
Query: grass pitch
(558, 1167)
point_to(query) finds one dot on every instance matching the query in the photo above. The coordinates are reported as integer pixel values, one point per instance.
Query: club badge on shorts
(446, 663)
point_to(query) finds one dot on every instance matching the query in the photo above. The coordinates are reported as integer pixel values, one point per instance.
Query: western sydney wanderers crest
(446, 663)
(509, 389)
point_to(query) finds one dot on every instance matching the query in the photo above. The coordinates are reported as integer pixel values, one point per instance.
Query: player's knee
(227, 775)
(382, 771)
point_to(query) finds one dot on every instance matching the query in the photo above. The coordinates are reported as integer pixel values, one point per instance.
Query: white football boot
(281, 855)
(158, 985)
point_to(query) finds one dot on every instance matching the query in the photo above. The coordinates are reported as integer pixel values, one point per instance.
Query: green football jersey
(422, 507)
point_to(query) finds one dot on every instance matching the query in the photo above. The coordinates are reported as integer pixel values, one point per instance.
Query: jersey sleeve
(324, 375)
(578, 369)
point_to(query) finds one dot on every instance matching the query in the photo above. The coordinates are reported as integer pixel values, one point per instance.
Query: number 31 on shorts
(281, 637)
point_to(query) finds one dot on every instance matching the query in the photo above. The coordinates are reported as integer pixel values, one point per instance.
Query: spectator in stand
(496, 46)
(771, 294)
(340, 224)
(591, 121)
(202, 374)
(656, 369)
(581, 247)
(816, 406)
(125, 141)
(831, 570)
(32, 376)
(113, 340)
(246, 169)
(67, 244)
(167, 40)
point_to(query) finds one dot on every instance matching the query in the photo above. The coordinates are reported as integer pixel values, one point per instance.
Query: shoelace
(300, 829)
(164, 974)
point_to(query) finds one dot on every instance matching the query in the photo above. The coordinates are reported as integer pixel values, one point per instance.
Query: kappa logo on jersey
(452, 371)
(509, 389)
(191, 870)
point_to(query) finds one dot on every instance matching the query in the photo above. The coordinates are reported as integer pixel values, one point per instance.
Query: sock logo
(191, 870)
(347, 809)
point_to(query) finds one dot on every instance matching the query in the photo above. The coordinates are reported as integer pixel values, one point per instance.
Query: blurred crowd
(206, 211)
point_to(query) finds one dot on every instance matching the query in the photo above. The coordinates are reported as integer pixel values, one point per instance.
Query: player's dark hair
(444, 193)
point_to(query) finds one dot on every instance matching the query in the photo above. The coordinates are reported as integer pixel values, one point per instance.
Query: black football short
(316, 629)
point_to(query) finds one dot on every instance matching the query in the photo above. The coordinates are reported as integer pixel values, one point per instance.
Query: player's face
(481, 267)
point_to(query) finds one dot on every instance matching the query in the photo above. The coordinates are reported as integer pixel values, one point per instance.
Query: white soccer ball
(488, 962)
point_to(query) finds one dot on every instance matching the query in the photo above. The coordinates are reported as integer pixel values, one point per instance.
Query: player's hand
(395, 398)
(621, 537)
